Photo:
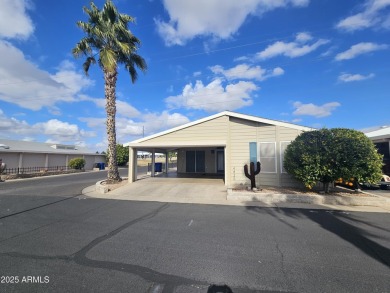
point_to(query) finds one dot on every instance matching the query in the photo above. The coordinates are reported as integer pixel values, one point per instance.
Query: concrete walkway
(207, 191)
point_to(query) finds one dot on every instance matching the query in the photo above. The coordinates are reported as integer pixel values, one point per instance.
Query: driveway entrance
(174, 189)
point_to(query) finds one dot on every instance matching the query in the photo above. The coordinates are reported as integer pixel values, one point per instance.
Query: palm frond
(108, 59)
(87, 64)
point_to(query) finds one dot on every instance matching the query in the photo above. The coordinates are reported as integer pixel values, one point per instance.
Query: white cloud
(197, 73)
(60, 131)
(219, 19)
(53, 130)
(294, 49)
(303, 37)
(58, 128)
(213, 96)
(10, 126)
(372, 14)
(24, 84)
(241, 59)
(14, 22)
(297, 120)
(129, 129)
(244, 71)
(347, 77)
(314, 110)
(155, 122)
(359, 49)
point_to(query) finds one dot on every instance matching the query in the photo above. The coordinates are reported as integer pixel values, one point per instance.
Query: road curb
(100, 188)
(271, 198)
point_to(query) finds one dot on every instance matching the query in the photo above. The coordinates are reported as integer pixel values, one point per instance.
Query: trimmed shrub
(77, 163)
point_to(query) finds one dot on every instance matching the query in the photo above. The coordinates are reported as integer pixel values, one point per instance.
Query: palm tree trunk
(109, 88)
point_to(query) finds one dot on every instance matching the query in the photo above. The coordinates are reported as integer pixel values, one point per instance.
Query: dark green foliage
(357, 156)
(77, 163)
(122, 155)
(328, 154)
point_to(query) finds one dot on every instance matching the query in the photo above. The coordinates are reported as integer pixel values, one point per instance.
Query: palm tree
(109, 39)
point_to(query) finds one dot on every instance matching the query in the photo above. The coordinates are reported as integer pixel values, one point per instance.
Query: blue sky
(317, 63)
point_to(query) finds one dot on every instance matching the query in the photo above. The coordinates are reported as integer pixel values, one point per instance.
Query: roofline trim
(178, 145)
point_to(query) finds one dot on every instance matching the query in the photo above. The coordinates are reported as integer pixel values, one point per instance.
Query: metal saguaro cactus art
(253, 173)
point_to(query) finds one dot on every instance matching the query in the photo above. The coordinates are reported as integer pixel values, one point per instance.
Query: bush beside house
(326, 155)
(77, 163)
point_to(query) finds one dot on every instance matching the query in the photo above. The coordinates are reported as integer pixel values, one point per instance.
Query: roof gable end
(221, 114)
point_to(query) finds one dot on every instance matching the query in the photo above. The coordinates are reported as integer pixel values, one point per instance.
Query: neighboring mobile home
(222, 144)
(381, 138)
(30, 154)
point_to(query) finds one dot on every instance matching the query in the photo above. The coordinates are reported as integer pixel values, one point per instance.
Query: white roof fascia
(224, 113)
(380, 133)
(177, 145)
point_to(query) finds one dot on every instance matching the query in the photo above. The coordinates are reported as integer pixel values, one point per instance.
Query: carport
(194, 159)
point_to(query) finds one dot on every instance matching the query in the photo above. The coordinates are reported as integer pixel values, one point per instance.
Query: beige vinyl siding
(266, 133)
(212, 130)
(286, 134)
(242, 132)
(210, 160)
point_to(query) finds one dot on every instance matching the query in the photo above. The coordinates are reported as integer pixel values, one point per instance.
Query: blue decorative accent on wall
(253, 152)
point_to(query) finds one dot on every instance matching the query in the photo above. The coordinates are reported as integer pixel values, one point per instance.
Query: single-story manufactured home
(30, 154)
(222, 144)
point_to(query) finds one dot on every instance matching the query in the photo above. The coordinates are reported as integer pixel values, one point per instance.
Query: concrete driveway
(183, 190)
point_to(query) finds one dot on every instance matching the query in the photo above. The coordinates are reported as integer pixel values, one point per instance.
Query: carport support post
(132, 165)
(153, 162)
(166, 162)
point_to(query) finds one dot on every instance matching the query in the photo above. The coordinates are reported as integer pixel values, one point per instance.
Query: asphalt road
(79, 244)
(23, 194)
(380, 192)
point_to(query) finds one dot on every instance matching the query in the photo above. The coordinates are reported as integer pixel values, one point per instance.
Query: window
(283, 147)
(195, 161)
(267, 151)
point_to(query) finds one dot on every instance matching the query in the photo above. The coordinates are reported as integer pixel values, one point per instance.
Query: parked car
(349, 183)
(385, 182)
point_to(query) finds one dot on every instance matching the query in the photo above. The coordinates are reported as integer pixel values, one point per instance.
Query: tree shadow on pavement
(337, 222)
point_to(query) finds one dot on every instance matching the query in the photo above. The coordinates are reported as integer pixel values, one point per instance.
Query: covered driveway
(213, 155)
(174, 189)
